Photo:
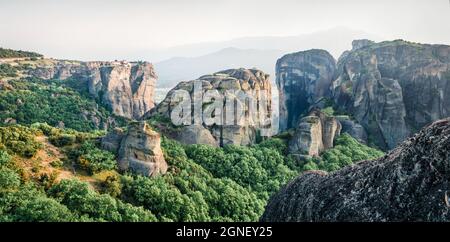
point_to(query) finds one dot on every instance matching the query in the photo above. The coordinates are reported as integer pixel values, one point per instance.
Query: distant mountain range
(178, 69)
(188, 62)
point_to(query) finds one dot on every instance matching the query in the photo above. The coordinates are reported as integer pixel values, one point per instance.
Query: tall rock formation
(394, 88)
(390, 89)
(126, 88)
(314, 134)
(303, 79)
(353, 128)
(140, 151)
(228, 87)
(411, 183)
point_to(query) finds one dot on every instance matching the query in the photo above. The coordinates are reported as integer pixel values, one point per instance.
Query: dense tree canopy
(346, 151)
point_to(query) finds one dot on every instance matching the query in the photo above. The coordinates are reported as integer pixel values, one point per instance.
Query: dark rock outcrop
(127, 88)
(393, 88)
(303, 79)
(314, 134)
(353, 128)
(252, 83)
(410, 183)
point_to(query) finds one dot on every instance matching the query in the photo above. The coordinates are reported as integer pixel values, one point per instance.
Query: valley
(97, 140)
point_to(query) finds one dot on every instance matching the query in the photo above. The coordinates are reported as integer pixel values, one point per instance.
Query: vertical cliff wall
(126, 88)
(303, 79)
(391, 89)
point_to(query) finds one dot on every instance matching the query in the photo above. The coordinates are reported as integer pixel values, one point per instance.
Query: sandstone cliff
(140, 151)
(254, 84)
(410, 183)
(314, 134)
(126, 88)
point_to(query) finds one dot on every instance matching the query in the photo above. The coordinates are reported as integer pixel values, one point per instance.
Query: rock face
(140, 151)
(196, 134)
(303, 79)
(227, 87)
(314, 134)
(111, 141)
(353, 128)
(411, 183)
(394, 88)
(126, 88)
(391, 89)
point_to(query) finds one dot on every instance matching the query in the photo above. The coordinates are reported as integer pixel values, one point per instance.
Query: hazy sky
(85, 28)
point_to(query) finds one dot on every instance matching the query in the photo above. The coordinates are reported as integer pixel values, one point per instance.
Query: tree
(43, 209)
(8, 179)
(79, 198)
(4, 157)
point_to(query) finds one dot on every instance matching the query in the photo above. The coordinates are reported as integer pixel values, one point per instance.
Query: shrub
(6, 70)
(19, 140)
(9, 179)
(63, 139)
(43, 209)
(5, 158)
(110, 183)
(57, 163)
(93, 159)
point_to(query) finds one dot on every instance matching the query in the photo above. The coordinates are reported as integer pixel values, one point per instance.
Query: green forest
(203, 183)
(53, 168)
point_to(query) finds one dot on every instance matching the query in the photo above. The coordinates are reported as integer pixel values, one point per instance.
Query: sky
(87, 29)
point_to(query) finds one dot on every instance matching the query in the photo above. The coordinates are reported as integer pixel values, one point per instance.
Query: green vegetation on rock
(346, 151)
(8, 53)
(6, 70)
(32, 101)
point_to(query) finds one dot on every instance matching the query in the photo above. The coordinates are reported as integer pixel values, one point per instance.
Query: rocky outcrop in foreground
(410, 183)
(226, 86)
(126, 88)
(314, 134)
(139, 149)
